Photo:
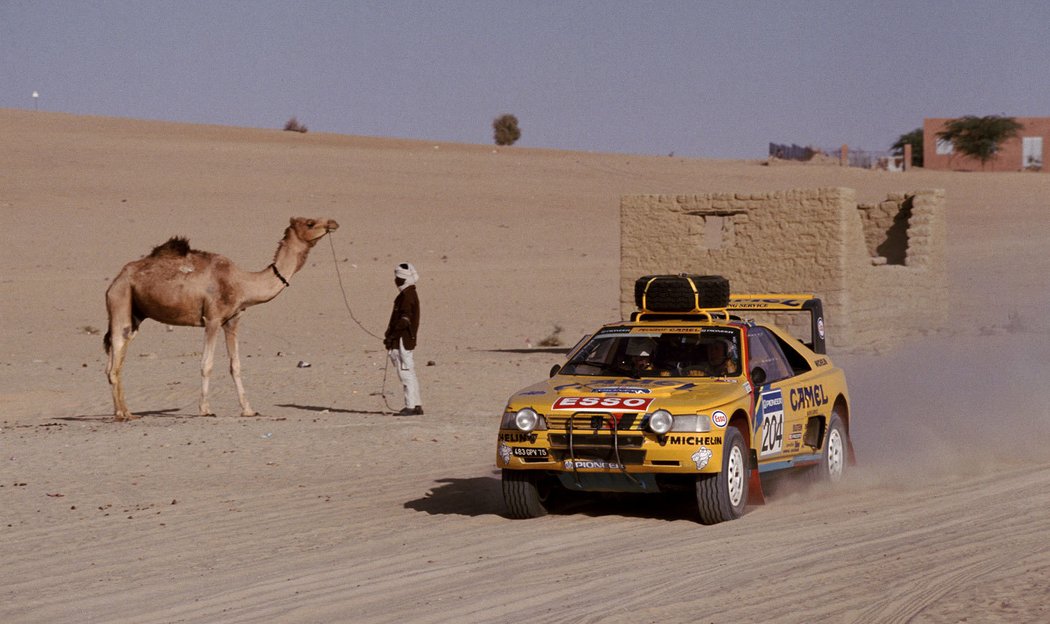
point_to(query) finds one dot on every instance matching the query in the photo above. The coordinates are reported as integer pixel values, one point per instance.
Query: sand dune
(327, 509)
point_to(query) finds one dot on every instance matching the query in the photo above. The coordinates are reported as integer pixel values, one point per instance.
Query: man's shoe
(406, 411)
(418, 410)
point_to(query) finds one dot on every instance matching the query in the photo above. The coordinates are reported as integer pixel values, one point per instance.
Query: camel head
(311, 230)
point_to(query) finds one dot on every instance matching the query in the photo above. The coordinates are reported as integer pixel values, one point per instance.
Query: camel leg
(122, 328)
(230, 328)
(211, 335)
(118, 350)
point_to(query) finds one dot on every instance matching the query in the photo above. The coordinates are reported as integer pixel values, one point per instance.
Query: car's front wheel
(527, 493)
(723, 496)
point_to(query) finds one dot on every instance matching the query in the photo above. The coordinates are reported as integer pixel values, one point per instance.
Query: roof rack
(693, 315)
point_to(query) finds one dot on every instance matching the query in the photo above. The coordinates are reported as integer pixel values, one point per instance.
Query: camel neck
(290, 256)
(279, 276)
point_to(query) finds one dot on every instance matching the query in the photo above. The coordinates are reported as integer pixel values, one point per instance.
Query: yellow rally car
(687, 395)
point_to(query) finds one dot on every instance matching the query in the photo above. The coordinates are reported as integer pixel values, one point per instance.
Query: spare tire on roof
(680, 293)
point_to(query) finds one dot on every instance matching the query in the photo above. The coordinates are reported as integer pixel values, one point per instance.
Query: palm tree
(980, 137)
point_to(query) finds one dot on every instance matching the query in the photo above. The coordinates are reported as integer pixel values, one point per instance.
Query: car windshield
(665, 352)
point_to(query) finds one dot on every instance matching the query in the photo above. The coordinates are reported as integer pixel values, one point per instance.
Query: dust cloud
(959, 405)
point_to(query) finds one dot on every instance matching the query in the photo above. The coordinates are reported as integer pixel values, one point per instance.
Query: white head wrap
(407, 272)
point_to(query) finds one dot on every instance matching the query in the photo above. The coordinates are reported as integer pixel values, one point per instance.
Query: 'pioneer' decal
(591, 463)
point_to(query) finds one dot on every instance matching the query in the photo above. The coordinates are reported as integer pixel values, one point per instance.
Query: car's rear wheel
(723, 496)
(833, 457)
(527, 493)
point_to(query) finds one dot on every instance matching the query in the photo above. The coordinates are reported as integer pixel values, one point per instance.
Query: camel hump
(175, 246)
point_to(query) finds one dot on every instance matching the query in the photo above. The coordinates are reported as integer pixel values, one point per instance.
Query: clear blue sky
(700, 79)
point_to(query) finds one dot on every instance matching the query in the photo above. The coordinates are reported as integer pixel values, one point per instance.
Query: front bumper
(610, 451)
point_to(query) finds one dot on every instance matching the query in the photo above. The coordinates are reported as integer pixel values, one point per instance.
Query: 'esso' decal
(602, 404)
(720, 419)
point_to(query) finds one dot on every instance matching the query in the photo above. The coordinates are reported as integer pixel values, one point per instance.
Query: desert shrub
(293, 125)
(554, 339)
(505, 130)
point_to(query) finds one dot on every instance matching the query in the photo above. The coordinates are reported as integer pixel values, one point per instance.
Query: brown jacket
(404, 320)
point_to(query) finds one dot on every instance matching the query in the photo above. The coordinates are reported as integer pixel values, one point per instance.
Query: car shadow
(476, 496)
(667, 506)
(483, 496)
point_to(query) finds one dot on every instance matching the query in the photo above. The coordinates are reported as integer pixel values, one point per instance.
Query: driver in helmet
(640, 351)
(720, 360)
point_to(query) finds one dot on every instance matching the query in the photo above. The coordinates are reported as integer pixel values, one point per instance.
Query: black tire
(674, 293)
(723, 496)
(527, 493)
(713, 291)
(834, 456)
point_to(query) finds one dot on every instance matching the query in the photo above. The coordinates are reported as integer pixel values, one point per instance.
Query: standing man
(400, 337)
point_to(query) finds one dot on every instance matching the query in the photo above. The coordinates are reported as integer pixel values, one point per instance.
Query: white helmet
(640, 346)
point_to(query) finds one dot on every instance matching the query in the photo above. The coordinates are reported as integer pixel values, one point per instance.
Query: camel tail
(107, 342)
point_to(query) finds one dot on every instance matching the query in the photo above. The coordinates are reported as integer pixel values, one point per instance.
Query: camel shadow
(171, 412)
(483, 496)
(334, 410)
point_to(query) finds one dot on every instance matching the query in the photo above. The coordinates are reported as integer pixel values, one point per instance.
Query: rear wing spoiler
(786, 303)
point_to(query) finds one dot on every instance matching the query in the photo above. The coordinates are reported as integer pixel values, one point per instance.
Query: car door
(778, 427)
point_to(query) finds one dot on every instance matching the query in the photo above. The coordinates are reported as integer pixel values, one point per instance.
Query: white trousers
(405, 364)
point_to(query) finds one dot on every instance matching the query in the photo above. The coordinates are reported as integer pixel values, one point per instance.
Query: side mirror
(758, 376)
(555, 369)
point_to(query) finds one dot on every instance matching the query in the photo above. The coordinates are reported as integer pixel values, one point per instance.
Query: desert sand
(326, 508)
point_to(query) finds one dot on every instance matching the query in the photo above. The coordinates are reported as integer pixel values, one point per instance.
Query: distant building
(1027, 152)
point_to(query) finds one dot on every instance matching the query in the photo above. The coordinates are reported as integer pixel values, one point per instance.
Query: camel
(177, 285)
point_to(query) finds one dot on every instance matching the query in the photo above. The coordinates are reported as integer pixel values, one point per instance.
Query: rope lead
(346, 303)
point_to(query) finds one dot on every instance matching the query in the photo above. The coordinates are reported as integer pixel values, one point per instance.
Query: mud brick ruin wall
(878, 268)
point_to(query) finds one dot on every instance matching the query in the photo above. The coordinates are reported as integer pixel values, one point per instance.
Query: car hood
(614, 394)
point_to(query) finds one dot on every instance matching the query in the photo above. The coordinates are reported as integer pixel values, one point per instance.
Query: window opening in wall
(1032, 153)
(713, 225)
(945, 147)
(714, 229)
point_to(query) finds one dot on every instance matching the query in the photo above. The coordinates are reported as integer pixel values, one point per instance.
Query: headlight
(692, 423)
(660, 422)
(526, 419)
